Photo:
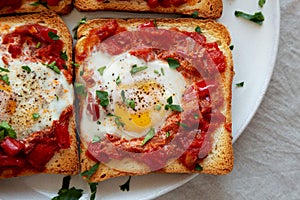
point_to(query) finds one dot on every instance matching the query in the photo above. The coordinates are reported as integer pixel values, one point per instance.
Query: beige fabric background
(267, 154)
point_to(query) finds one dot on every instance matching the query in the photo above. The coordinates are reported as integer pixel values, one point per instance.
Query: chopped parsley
(103, 97)
(261, 3)
(118, 80)
(155, 23)
(64, 56)
(35, 115)
(39, 2)
(123, 96)
(82, 21)
(53, 67)
(196, 116)
(135, 69)
(162, 71)
(74, 64)
(256, 17)
(5, 79)
(149, 136)
(3, 69)
(198, 29)
(126, 185)
(182, 125)
(96, 138)
(240, 84)
(173, 63)
(158, 107)
(53, 35)
(68, 193)
(26, 68)
(87, 174)
(167, 134)
(198, 167)
(6, 130)
(171, 106)
(93, 189)
(80, 89)
(101, 70)
(38, 45)
(118, 121)
(130, 103)
(156, 72)
(195, 14)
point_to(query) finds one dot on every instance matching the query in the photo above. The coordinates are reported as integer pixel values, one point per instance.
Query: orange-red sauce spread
(203, 89)
(12, 5)
(42, 47)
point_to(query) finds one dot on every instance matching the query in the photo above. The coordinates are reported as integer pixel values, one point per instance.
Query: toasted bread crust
(220, 159)
(65, 161)
(64, 7)
(209, 9)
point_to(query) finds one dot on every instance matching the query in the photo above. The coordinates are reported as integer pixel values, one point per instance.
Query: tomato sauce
(35, 151)
(203, 90)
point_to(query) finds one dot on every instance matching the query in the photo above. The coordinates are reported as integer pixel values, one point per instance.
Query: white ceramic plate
(254, 54)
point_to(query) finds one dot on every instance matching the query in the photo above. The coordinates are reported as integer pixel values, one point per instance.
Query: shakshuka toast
(209, 9)
(37, 126)
(154, 95)
(33, 6)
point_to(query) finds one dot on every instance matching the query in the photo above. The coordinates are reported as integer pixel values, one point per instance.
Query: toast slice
(37, 124)
(209, 9)
(34, 6)
(119, 61)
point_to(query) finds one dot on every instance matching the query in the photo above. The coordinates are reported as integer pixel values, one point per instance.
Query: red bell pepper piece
(12, 146)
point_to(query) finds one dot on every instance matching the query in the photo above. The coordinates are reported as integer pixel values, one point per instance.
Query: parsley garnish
(173, 63)
(38, 45)
(261, 3)
(149, 136)
(53, 35)
(66, 193)
(198, 29)
(5, 79)
(198, 167)
(171, 106)
(195, 14)
(6, 130)
(53, 67)
(256, 17)
(93, 189)
(3, 69)
(103, 97)
(240, 84)
(96, 138)
(155, 23)
(82, 21)
(126, 185)
(35, 115)
(74, 64)
(196, 116)
(118, 121)
(87, 174)
(135, 69)
(80, 89)
(101, 70)
(26, 68)
(156, 72)
(130, 103)
(123, 96)
(118, 80)
(162, 71)
(64, 56)
(167, 134)
(158, 107)
(39, 2)
(182, 125)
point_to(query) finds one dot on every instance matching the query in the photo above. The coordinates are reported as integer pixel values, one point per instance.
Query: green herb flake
(80, 89)
(68, 193)
(63, 55)
(156, 72)
(118, 121)
(96, 138)
(118, 80)
(7, 130)
(182, 125)
(135, 69)
(172, 106)
(130, 103)
(170, 100)
(87, 174)
(35, 115)
(101, 70)
(198, 167)
(261, 3)
(74, 64)
(5, 79)
(126, 185)
(123, 96)
(158, 107)
(37, 3)
(167, 134)
(53, 35)
(198, 29)
(195, 14)
(38, 45)
(155, 23)
(257, 17)
(82, 21)
(162, 71)
(93, 189)
(231, 47)
(3, 69)
(196, 116)
(53, 67)
(103, 97)
(173, 63)
(26, 68)
(57, 98)
(149, 136)
(240, 84)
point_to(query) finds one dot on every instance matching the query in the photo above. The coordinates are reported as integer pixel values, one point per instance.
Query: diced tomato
(41, 155)
(14, 50)
(12, 146)
(53, 2)
(7, 161)
(62, 134)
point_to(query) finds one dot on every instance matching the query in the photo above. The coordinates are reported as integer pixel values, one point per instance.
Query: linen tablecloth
(267, 154)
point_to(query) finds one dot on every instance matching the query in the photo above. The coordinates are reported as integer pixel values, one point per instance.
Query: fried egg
(136, 100)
